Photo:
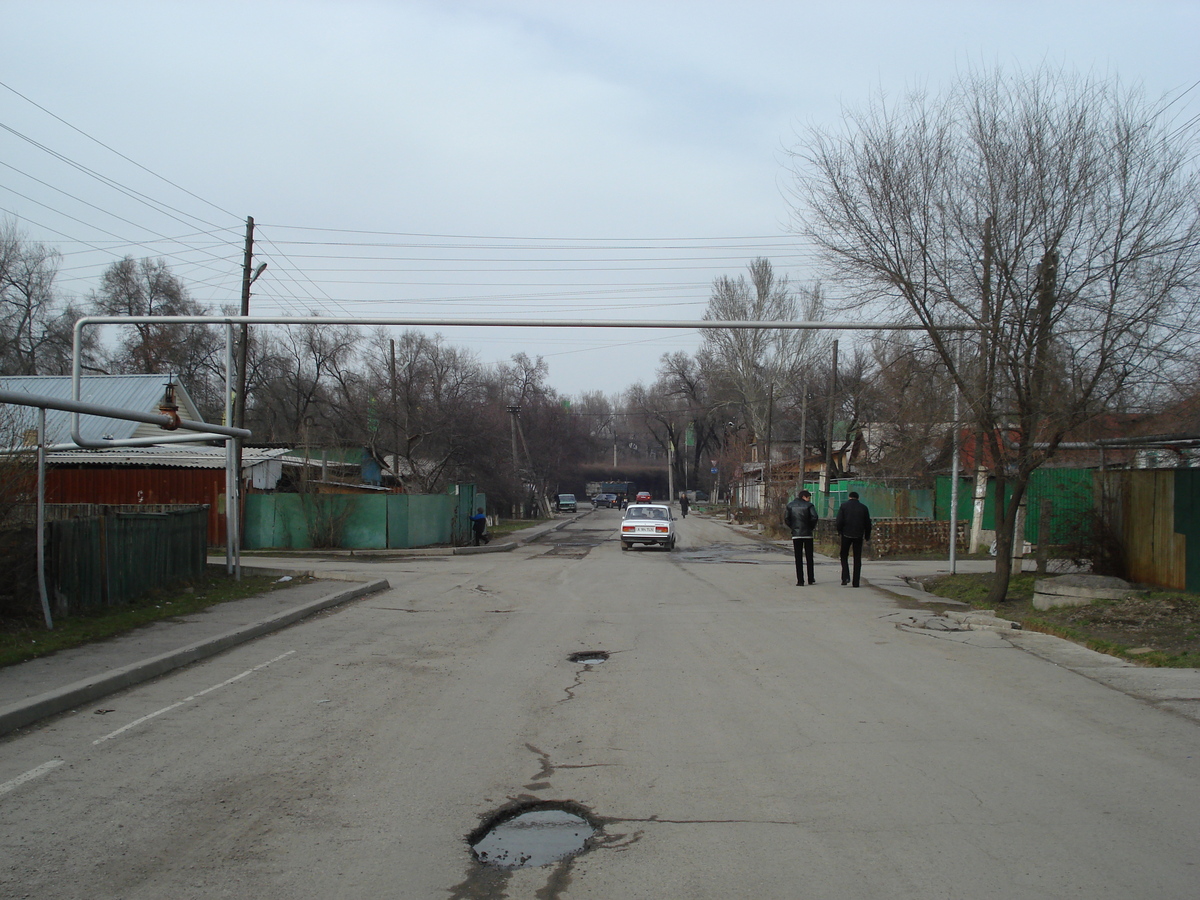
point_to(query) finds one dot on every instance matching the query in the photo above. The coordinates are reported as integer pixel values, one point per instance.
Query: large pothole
(532, 834)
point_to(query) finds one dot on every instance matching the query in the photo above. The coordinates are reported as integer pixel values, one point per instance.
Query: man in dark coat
(853, 523)
(801, 517)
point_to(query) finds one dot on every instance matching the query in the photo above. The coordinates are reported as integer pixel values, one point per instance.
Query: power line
(117, 152)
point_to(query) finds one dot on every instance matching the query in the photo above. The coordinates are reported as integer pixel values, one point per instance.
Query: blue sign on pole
(713, 471)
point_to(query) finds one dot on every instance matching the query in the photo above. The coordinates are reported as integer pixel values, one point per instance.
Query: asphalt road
(745, 738)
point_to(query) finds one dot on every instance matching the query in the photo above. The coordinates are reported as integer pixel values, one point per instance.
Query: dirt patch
(1160, 628)
(1166, 623)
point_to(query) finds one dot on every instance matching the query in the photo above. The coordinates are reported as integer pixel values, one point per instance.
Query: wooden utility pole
(513, 412)
(395, 414)
(984, 402)
(239, 399)
(767, 470)
(833, 387)
(803, 435)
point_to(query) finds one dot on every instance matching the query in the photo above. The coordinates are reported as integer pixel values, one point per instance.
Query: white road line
(136, 722)
(30, 775)
(209, 690)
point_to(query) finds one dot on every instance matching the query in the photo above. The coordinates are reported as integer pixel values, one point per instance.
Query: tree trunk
(1005, 528)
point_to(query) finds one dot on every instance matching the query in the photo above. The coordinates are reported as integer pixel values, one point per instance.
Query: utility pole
(671, 471)
(833, 387)
(234, 500)
(803, 435)
(767, 470)
(513, 412)
(954, 449)
(395, 414)
(985, 341)
(239, 400)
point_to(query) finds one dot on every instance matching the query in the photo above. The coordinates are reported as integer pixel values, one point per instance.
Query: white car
(648, 523)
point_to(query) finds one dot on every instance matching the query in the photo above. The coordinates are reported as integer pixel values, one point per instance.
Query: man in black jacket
(853, 523)
(801, 518)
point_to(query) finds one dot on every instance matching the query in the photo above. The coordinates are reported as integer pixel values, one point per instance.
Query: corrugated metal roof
(140, 393)
(179, 457)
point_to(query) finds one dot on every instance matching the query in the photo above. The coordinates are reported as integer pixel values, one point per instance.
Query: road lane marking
(180, 703)
(30, 775)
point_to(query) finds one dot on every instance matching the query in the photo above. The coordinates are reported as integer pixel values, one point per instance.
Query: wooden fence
(111, 559)
(892, 536)
(1155, 514)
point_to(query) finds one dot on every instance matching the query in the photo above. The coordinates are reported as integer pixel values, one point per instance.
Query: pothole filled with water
(589, 657)
(535, 834)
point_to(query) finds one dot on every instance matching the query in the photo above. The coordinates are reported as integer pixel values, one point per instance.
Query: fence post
(105, 567)
(1043, 527)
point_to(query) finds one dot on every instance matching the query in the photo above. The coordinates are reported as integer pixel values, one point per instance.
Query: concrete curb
(87, 690)
(982, 621)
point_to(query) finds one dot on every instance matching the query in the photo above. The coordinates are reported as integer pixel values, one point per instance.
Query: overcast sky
(577, 160)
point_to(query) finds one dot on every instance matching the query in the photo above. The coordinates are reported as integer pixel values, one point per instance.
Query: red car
(643, 497)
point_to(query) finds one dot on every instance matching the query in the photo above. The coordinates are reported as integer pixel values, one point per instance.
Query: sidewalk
(1173, 690)
(33, 690)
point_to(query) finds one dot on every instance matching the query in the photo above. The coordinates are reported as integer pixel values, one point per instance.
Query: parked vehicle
(566, 503)
(647, 523)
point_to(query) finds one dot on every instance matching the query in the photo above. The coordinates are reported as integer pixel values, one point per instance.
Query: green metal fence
(885, 501)
(1070, 492)
(112, 559)
(358, 521)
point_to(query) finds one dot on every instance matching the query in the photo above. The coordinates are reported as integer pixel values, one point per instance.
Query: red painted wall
(93, 484)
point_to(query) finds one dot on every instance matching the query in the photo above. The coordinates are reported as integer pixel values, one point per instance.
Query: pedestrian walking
(479, 526)
(683, 504)
(801, 517)
(853, 524)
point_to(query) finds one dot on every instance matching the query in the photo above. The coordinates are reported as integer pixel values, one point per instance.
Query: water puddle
(534, 835)
(589, 657)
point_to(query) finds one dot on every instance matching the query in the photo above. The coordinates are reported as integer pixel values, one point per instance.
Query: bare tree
(147, 287)
(27, 304)
(1055, 215)
(741, 364)
(297, 396)
(905, 406)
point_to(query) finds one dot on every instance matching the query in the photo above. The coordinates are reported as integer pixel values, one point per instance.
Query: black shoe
(845, 582)
(799, 584)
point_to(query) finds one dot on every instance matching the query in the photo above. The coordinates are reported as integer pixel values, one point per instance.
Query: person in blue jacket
(479, 526)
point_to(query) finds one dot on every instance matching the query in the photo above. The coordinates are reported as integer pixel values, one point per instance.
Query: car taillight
(661, 529)
(625, 528)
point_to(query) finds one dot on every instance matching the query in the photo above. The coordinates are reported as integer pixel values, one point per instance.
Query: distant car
(566, 503)
(605, 501)
(647, 523)
(643, 497)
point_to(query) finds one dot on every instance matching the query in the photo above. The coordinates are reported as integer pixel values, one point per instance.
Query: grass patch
(23, 639)
(1159, 628)
(508, 526)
